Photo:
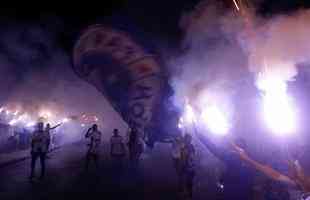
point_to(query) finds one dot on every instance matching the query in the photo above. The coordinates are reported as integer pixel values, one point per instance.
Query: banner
(120, 68)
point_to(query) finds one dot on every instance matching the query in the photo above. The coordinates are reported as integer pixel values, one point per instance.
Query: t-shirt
(95, 140)
(40, 141)
(117, 145)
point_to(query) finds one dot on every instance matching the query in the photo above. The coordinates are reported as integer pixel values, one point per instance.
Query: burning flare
(211, 116)
(278, 110)
(187, 117)
(215, 120)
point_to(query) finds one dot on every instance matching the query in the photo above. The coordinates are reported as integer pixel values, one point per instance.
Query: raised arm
(268, 171)
(55, 126)
(299, 175)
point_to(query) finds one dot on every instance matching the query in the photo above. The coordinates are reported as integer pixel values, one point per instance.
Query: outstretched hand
(241, 152)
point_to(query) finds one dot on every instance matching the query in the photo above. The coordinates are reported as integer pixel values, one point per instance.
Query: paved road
(155, 179)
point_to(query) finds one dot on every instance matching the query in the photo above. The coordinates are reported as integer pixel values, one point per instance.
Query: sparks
(236, 5)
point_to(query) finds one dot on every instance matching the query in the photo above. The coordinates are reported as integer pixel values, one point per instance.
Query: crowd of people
(237, 181)
(41, 145)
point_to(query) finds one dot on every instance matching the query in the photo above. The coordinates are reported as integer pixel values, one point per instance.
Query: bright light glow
(278, 110)
(215, 120)
(187, 118)
(45, 114)
(20, 118)
(13, 121)
(29, 124)
(65, 120)
(181, 123)
(83, 125)
(188, 115)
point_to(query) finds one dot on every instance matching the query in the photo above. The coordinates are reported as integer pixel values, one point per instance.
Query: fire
(30, 124)
(13, 121)
(187, 117)
(189, 114)
(46, 114)
(16, 112)
(19, 117)
(278, 110)
(65, 120)
(215, 120)
(210, 116)
(181, 123)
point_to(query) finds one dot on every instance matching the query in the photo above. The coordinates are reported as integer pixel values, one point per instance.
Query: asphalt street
(154, 179)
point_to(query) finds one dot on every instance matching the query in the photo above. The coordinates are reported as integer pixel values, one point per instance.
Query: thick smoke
(212, 62)
(281, 43)
(224, 48)
(221, 47)
(36, 75)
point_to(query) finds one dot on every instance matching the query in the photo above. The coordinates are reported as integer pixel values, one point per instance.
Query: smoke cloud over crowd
(36, 76)
(223, 48)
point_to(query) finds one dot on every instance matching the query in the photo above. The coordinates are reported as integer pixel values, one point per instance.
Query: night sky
(159, 17)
